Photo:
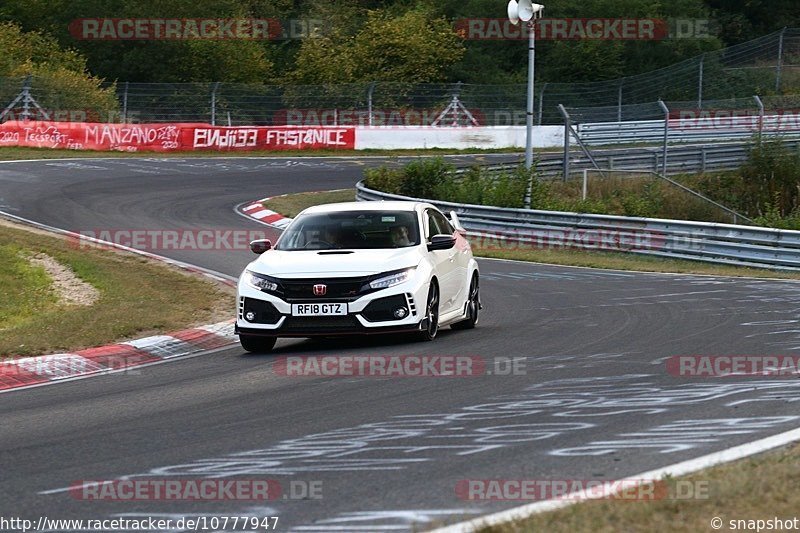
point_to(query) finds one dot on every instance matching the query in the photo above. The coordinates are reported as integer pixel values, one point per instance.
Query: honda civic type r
(359, 268)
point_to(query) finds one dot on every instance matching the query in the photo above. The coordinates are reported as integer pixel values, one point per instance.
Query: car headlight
(257, 281)
(390, 280)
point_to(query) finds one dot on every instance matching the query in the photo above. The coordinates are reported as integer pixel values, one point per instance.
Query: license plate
(319, 309)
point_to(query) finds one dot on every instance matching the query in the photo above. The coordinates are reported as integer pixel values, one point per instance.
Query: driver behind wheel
(399, 236)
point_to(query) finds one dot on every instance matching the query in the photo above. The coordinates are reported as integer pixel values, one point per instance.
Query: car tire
(257, 343)
(431, 314)
(473, 306)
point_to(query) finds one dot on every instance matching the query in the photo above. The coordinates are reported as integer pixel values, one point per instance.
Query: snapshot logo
(579, 29)
(139, 490)
(715, 366)
(580, 489)
(154, 240)
(381, 366)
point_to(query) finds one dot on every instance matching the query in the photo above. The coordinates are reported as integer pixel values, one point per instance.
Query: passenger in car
(399, 236)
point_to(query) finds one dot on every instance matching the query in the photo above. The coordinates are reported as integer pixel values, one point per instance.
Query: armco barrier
(701, 241)
(689, 129)
(172, 137)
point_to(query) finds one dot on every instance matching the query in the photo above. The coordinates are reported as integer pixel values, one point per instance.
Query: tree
(59, 78)
(414, 47)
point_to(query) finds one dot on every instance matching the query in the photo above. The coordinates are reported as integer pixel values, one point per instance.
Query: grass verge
(138, 296)
(15, 153)
(727, 492)
(291, 204)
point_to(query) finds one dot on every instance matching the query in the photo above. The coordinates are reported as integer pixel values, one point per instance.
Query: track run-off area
(576, 381)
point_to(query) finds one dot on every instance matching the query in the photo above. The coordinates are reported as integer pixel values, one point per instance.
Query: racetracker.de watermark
(200, 489)
(581, 29)
(716, 366)
(184, 29)
(156, 240)
(580, 489)
(382, 366)
(615, 240)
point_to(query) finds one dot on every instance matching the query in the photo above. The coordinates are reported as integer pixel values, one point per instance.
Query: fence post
(619, 101)
(760, 105)
(700, 82)
(567, 133)
(214, 104)
(666, 133)
(779, 65)
(125, 104)
(370, 90)
(541, 102)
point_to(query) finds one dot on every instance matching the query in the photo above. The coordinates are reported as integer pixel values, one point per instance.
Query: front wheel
(431, 314)
(473, 306)
(257, 343)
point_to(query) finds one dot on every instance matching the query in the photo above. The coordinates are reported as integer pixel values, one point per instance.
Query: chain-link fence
(769, 65)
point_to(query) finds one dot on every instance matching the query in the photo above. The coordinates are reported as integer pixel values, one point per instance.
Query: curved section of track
(576, 384)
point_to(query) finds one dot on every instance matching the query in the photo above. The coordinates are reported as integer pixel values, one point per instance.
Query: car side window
(444, 226)
(433, 226)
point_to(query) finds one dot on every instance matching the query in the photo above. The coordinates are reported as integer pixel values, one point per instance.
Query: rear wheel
(431, 314)
(257, 343)
(473, 306)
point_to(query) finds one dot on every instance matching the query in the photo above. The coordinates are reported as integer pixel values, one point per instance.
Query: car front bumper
(369, 314)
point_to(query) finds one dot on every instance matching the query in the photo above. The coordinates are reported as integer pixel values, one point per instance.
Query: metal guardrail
(681, 159)
(702, 241)
(690, 130)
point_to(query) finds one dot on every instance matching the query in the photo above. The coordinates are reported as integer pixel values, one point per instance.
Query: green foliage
(770, 177)
(59, 76)
(415, 47)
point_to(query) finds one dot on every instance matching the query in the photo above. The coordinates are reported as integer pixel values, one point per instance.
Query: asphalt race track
(591, 397)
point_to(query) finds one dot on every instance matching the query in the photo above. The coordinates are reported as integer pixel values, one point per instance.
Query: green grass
(137, 297)
(291, 204)
(14, 153)
(760, 487)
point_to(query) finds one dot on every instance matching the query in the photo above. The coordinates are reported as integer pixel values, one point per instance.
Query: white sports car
(359, 268)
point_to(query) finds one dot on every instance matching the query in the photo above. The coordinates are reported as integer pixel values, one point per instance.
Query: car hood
(302, 263)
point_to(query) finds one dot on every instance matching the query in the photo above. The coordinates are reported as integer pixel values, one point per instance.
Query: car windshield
(351, 230)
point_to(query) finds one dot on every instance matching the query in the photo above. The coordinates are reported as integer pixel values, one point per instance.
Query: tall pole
(779, 65)
(531, 71)
(700, 82)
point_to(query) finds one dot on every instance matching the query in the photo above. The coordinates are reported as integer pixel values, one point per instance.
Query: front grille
(319, 324)
(338, 289)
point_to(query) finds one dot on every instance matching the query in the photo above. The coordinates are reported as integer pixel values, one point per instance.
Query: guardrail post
(702, 159)
(666, 133)
(779, 65)
(760, 105)
(585, 190)
(567, 133)
(214, 104)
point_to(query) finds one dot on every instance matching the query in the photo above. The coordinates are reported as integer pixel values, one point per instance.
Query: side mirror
(441, 242)
(260, 246)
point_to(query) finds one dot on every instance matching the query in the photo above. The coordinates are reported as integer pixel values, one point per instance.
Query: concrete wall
(393, 137)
